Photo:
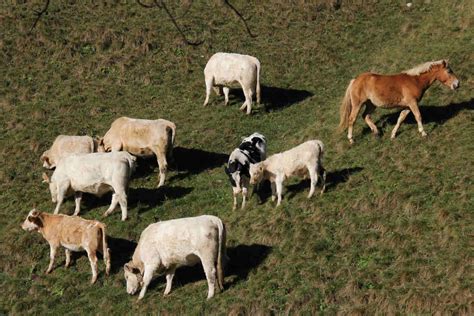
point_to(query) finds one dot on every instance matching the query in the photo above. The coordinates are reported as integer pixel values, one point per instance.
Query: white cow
(165, 246)
(96, 173)
(65, 145)
(225, 69)
(304, 159)
(143, 138)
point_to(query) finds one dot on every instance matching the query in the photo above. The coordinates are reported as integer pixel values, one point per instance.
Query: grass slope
(393, 233)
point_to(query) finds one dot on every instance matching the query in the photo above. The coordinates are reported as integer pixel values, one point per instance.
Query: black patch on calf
(229, 174)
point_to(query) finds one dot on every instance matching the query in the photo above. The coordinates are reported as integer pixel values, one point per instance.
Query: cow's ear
(227, 171)
(127, 268)
(45, 178)
(36, 219)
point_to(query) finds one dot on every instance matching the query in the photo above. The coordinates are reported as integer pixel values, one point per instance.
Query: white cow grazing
(143, 138)
(225, 69)
(165, 246)
(96, 173)
(300, 161)
(65, 145)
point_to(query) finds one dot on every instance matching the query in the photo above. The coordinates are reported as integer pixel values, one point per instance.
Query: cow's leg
(93, 260)
(211, 274)
(217, 90)
(369, 109)
(244, 196)
(314, 179)
(169, 281)
(60, 199)
(162, 164)
(209, 84)
(401, 118)
(226, 94)
(235, 193)
(113, 205)
(52, 254)
(248, 100)
(279, 189)
(273, 185)
(77, 200)
(147, 276)
(122, 198)
(68, 257)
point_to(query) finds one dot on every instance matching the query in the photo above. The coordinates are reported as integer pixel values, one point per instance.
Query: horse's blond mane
(425, 67)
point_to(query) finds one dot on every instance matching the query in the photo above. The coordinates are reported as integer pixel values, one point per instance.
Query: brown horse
(403, 90)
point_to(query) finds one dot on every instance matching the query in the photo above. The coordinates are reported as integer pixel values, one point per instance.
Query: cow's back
(174, 240)
(227, 68)
(65, 145)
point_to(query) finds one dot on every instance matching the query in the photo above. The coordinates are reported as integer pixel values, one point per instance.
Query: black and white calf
(251, 150)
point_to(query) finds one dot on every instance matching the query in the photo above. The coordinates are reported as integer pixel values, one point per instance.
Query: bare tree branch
(149, 6)
(240, 17)
(39, 14)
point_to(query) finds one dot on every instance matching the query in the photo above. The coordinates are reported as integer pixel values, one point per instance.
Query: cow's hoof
(423, 134)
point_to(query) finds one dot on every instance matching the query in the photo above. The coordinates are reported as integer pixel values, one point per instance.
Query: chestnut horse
(403, 90)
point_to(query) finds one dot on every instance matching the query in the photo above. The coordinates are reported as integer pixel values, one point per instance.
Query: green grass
(393, 233)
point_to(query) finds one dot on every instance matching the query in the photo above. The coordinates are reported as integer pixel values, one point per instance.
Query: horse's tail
(345, 110)
(258, 83)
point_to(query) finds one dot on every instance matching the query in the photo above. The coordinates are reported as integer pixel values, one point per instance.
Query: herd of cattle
(97, 166)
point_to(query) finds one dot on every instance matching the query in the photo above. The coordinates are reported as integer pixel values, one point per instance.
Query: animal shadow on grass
(153, 197)
(333, 179)
(188, 161)
(275, 98)
(121, 252)
(429, 114)
(242, 260)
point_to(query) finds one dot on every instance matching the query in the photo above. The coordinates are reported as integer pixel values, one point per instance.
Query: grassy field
(392, 234)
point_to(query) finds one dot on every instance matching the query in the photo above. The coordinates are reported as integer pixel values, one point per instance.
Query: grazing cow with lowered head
(96, 173)
(304, 159)
(225, 69)
(142, 138)
(74, 234)
(253, 149)
(167, 245)
(65, 145)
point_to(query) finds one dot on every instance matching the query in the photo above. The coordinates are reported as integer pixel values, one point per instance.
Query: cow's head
(133, 277)
(53, 188)
(45, 160)
(99, 145)
(256, 173)
(33, 221)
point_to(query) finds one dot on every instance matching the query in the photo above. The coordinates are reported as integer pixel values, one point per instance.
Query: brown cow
(73, 233)
(142, 138)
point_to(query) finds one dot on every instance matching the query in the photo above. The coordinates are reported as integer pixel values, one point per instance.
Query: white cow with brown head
(74, 234)
(65, 145)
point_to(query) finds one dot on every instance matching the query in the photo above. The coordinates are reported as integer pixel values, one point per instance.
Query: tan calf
(74, 234)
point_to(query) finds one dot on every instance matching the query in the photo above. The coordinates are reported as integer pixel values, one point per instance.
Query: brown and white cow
(73, 233)
(65, 145)
(143, 138)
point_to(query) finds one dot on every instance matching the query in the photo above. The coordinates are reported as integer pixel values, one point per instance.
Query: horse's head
(446, 76)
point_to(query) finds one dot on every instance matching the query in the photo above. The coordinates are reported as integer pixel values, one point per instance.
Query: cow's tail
(105, 249)
(345, 109)
(258, 83)
(171, 131)
(132, 162)
(321, 170)
(221, 255)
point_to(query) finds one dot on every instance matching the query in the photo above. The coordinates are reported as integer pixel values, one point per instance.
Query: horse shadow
(153, 197)
(430, 113)
(275, 98)
(189, 161)
(243, 259)
(333, 179)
